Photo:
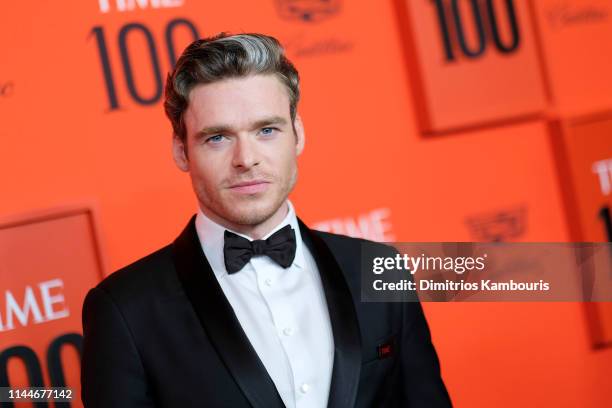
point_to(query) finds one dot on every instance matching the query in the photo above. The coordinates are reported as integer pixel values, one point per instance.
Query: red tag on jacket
(385, 349)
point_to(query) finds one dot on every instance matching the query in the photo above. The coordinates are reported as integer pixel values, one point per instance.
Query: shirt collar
(211, 237)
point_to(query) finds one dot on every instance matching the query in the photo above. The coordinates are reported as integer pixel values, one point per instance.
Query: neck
(253, 231)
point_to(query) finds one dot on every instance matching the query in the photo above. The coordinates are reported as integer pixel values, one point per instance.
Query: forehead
(236, 102)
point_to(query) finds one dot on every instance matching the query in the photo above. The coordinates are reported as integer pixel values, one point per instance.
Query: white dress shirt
(282, 311)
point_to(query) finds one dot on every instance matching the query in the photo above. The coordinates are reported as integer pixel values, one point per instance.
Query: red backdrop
(426, 120)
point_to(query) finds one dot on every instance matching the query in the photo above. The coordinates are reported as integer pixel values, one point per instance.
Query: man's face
(241, 148)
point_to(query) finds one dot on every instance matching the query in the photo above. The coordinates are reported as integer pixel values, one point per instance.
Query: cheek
(289, 168)
(205, 171)
(286, 161)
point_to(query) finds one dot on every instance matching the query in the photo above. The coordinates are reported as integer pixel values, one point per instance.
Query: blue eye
(215, 138)
(267, 130)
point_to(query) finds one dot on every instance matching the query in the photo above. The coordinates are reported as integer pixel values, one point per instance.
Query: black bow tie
(280, 247)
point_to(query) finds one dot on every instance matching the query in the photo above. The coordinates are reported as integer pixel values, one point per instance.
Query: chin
(252, 212)
(248, 217)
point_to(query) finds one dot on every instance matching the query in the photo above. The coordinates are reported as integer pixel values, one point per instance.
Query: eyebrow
(216, 129)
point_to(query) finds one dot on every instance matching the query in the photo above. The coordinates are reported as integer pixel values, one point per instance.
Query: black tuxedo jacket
(160, 333)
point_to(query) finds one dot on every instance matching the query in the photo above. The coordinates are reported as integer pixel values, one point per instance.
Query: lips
(250, 187)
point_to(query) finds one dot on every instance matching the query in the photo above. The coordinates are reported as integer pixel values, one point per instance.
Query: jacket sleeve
(112, 374)
(422, 383)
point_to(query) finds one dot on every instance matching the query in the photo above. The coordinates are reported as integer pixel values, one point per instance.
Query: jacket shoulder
(346, 244)
(149, 275)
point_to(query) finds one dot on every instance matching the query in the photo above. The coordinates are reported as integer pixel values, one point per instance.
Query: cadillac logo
(498, 226)
(6, 88)
(307, 10)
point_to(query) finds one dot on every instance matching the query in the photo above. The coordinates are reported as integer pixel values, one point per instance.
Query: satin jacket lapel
(220, 323)
(345, 327)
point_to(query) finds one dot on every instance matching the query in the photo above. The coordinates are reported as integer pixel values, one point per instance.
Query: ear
(178, 152)
(299, 133)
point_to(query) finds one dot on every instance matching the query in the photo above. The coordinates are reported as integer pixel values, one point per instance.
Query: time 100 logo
(34, 368)
(484, 15)
(120, 40)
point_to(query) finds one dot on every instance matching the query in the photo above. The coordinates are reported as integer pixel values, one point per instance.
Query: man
(248, 307)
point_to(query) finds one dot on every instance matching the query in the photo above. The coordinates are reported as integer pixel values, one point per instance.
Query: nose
(245, 153)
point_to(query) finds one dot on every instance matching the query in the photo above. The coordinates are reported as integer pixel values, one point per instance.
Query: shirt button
(288, 331)
(268, 281)
(304, 388)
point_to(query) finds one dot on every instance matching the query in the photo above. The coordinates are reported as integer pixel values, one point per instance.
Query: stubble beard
(251, 210)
